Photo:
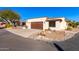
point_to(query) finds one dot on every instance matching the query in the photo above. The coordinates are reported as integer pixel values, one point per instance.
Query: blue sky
(33, 12)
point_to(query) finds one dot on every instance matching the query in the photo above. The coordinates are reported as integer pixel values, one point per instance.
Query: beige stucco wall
(63, 24)
(60, 25)
(28, 24)
(37, 19)
(45, 25)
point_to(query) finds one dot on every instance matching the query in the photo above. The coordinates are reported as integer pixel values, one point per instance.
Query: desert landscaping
(47, 35)
(37, 33)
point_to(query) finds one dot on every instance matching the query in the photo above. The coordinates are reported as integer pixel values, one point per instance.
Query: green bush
(69, 28)
(8, 26)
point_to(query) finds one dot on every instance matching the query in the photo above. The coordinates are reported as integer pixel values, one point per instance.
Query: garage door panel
(37, 25)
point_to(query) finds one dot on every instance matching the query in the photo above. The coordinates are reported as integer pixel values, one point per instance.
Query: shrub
(8, 26)
(69, 28)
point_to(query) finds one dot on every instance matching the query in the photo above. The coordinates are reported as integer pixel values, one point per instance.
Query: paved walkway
(13, 42)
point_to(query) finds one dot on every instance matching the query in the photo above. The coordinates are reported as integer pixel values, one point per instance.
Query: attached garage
(37, 25)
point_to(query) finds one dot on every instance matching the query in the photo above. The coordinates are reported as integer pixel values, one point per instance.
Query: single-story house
(47, 23)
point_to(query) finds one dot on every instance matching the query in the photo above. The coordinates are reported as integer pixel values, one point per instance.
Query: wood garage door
(37, 25)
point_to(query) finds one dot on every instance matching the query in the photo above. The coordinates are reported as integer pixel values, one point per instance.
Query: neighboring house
(2, 24)
(22, 23)
(47, 23)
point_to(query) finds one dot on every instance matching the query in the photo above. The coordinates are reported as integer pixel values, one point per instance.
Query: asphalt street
(12, 42)
(71, 44)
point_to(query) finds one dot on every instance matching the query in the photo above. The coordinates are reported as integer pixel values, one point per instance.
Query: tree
(9, 15)
(77, 23)
(73, 24)
(1, 20)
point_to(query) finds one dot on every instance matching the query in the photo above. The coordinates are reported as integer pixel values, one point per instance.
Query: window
(52, 24)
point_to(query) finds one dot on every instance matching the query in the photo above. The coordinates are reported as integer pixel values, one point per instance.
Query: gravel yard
(54, 35)
(47, 36)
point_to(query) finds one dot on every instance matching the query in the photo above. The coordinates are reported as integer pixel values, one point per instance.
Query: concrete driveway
(13, 42)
